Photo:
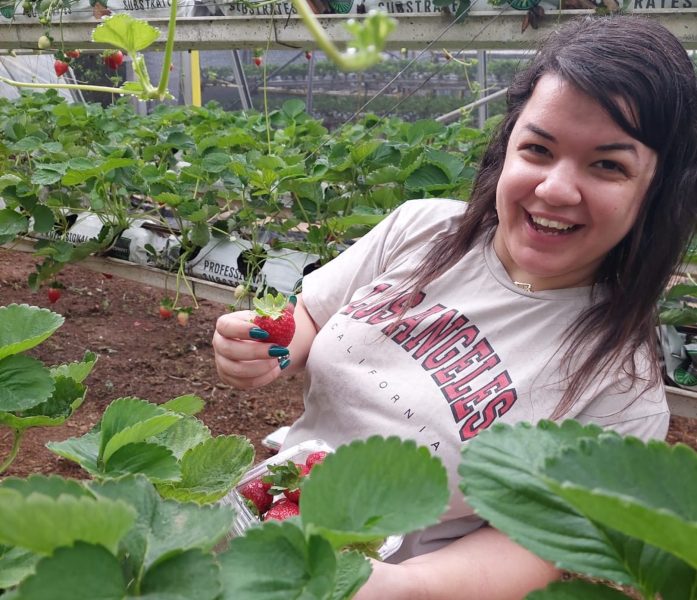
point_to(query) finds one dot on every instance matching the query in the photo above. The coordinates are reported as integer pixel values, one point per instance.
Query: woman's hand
(242, 358)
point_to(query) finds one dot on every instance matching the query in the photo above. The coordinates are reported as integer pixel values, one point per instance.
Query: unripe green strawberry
(275, 316)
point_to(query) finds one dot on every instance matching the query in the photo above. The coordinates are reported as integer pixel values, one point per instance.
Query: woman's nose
(560, 184)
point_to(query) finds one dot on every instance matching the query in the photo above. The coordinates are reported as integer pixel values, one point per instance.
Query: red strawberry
(258, 60)
(308, 55)
(73, 54)
(275, 316)
(113, 59)
(257, 492)
(283, 509)
(53, 294)
(287, 478)
(315, 457)
(165, 312)
(60, 67)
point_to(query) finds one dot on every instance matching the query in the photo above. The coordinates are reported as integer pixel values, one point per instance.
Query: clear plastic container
(245, 518)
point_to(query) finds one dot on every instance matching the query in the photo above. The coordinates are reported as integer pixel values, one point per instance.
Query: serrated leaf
(83, 450)
(352, 571)
(302, 568)
(215, 162)
(52, 486)
(157, 463)
(501, 477)
(24, 327)
(130, 420)
(427, 177)
(43, 219)
(191, 574)
(45, 176)
(576, 590)
(182, 436)
(187, 404)
(630, 486)
(406, 489)
(125, 32)
(77, 370)
(9, 180)
(363, 150)
(24, 382)
(12, 223)
(31, 522)
(211, 469)
(15, 565)
(85, 572)
(164, 527)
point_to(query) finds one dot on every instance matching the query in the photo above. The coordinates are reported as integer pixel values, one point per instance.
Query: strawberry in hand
(275, 316)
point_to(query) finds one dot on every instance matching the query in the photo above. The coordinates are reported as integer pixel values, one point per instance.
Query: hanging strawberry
(60, 67)
(113, 59)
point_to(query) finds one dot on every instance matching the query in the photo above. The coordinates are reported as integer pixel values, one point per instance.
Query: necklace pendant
(527, 287)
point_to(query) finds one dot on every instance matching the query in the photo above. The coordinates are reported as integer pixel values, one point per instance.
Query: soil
(144, 356)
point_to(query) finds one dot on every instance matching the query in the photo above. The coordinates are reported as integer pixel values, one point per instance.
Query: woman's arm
(244, 362)
(484, 565)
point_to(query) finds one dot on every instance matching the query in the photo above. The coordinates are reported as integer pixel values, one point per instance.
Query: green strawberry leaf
(24, 382)
(130, 420)
(82, 450)
(601, 481)
(66, 398)
(164, 527)
(352, 571)
(12, 223)
(76, 370)
(303, 567)
(182, 436)
(576, 590)
(29, 521)
(24, 327)
(211, 469)
(15, 565)
(157, 463)
(190, 574)
(186, 405)
(85, 572)
(48, 485)
(406, 489)
(125, 32)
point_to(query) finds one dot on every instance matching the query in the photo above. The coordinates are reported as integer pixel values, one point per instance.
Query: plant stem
(18, 433)
(169, 46)
(66, 86)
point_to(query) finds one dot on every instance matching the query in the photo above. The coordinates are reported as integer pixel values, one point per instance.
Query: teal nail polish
(278, 351)
(283, 363)
(293, 300)
(258, 333)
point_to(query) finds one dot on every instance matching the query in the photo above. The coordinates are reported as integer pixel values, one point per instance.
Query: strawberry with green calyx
(165, 309)
(274, 314)
(281, 510)
(286, 478)
(54, 291)
(256, 494)
(113, 59)
(183, 316)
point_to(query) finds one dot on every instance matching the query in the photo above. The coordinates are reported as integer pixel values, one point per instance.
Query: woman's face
(571, 187)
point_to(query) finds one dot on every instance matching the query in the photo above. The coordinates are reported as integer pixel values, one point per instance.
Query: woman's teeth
(550, 226)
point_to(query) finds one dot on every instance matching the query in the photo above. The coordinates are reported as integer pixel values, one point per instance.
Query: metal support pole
(482, 109)
(241, 80)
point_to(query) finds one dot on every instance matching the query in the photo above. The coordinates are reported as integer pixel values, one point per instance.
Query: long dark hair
(618, 61)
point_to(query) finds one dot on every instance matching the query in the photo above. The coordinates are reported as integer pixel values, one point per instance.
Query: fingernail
(293, 300)
(283, 363)
(258, 334)
(277, 351)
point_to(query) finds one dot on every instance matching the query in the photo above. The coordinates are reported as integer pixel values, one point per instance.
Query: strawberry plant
(32, 394)
(591, 502)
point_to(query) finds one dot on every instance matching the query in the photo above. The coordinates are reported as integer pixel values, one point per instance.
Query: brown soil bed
(144, 356)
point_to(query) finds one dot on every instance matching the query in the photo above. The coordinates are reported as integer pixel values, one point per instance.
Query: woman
(534, 300)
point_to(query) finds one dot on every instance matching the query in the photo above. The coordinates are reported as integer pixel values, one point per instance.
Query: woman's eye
(536, 149)
(611, 165)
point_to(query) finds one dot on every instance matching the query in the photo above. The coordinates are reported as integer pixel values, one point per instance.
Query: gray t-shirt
(477, 350)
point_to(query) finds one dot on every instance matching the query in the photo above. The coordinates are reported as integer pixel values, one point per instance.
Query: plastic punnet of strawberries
(276, 494)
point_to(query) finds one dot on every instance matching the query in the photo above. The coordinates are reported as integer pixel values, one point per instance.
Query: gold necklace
(527, 287)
